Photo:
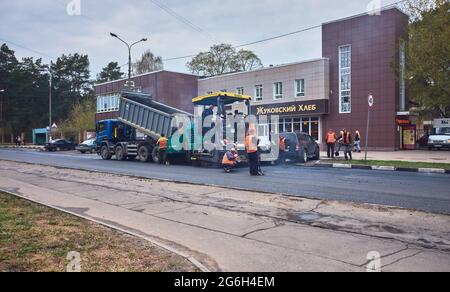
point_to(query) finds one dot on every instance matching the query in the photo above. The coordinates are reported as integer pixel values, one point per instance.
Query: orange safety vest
(163, 143)
(282, 144)
(226, 161)
(331, 138)
(249, 145)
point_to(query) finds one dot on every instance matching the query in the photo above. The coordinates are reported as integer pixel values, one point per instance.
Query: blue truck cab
(115, 138)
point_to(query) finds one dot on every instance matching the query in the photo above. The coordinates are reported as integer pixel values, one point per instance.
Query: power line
(284, 35)
(182, 19)
(26, 48)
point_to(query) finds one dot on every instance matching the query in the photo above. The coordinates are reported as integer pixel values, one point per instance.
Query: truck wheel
(105, 153)
(155, 155)
(144, 153)
(120, 155)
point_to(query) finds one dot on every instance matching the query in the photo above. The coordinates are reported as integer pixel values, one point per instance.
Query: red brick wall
(374, 41)
(171, 88)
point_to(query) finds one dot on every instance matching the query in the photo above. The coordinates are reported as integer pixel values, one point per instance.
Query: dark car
(60, 145)
(301, 147)
(87, 147)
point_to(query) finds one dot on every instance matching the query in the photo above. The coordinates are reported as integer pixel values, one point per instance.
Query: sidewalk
(229, 230)
(442, 156)
(32, 147)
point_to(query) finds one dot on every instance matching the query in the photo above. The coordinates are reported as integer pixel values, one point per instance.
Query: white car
(440, 140)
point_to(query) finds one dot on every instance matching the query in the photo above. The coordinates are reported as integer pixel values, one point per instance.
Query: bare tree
(148, 63)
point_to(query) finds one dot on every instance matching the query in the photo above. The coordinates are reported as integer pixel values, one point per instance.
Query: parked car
(87, 146)
(440, 140)
(60, 145)
(301, 147)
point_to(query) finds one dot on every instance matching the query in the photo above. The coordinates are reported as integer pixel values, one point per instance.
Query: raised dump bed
(141, 112)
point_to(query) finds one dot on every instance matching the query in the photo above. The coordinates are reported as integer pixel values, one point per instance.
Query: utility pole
(50, 86)
(371, 103)
(1, 114)
(129, 53)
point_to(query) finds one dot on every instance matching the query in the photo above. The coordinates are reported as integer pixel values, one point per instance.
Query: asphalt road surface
(426, 192)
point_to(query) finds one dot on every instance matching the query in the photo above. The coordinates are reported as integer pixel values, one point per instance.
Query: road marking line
(385, 168)
(341, 165)
(431, 170)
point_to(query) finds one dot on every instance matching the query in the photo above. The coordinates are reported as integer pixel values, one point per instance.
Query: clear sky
(174, 27)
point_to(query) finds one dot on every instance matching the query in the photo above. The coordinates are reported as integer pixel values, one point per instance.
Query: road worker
(347, 142)
(230, 160)
(282, 156)
(163, 144)
(252, 152)
(330, 140)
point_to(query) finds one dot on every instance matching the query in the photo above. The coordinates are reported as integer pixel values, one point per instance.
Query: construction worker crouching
(163, 144)
(230, 160)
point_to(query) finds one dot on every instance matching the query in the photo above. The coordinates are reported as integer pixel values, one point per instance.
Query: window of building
(309, 126)
(402, 76)
(314, 132)
(258, 92)
(300, 88)
(297, 125)
(278, 90)
(107, 103)
(345, 79)
(240, 90)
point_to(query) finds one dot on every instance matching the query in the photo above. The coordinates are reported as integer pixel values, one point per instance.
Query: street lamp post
(129, 52)
(1, 112)
(50, 86)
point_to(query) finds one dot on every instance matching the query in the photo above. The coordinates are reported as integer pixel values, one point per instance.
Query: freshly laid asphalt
(426, 192)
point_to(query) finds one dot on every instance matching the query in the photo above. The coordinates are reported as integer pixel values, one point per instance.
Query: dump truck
(142, 121)
(134, 133)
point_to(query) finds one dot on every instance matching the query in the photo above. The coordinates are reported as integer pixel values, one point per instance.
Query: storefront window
(288, 125)
(309, 126)
(297, 125)
(315, 128)
(305, 125)
(281, 127)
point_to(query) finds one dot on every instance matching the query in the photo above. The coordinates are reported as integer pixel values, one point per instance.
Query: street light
(1, 112)
(50, 80)
(129, 52)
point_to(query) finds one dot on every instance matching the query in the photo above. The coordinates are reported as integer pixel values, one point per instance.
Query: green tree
(23, 105)
(71, 83)
(428, 55)
(81, 118)
(148, 63)
(247, 60)
(222, 59)
(110, 73)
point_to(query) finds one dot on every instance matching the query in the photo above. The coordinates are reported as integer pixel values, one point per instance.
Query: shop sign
(313, 107)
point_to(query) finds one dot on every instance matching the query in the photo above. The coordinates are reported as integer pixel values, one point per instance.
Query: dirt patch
(37, 238)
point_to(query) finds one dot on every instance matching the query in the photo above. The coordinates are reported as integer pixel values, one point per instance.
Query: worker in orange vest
(347, 142)
(282, 156)
(330, 140)
(163, 144)
(252, 152)
(230, 160)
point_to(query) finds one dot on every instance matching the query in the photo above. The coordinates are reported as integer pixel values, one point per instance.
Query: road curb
(21, 147)
(190, 259)
(380, 168)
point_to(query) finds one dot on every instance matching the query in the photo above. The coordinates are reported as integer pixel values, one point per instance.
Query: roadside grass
(402, 164)
(34, 238)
